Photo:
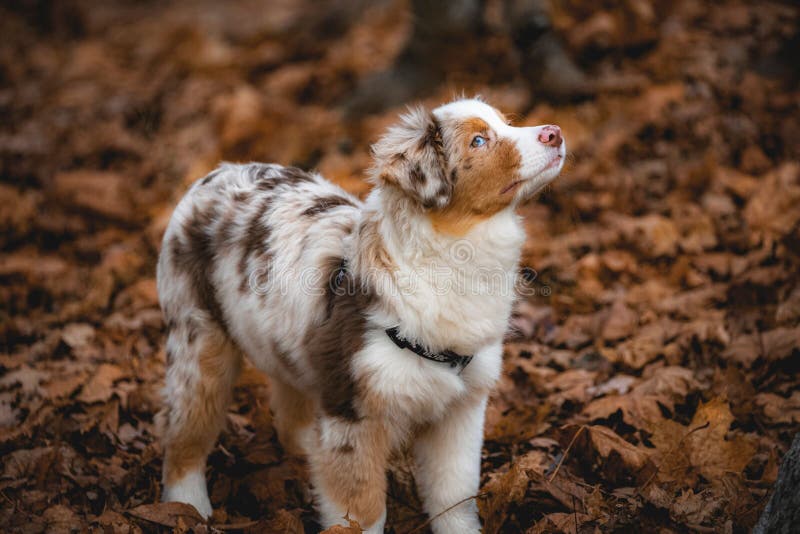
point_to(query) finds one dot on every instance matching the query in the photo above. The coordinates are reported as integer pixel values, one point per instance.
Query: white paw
(191, 489)
(457, 523)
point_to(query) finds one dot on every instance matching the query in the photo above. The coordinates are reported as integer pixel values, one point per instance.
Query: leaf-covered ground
(651, 380)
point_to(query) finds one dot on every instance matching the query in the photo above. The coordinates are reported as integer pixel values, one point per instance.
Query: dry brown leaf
(103, 193)
(673, 381)
(288, 523)
(640, 411)
(602, 450)
(8, 414)
(78, 335)
(619, 384)
(62, 519)
(572, 385)
(653, 235)
(744, 349)
(779, 409)
(24, 462)
(789, 309)
(63, 386)
(28, 378)
(771, 211)
(696, 509)
(352, 528)
(645, 346)
(780, 343)
(167, 514)
(771, 345)
(560, 522)
(100, 386)
(621, 322)
(701, 448)
(504, 489)
(116, 523)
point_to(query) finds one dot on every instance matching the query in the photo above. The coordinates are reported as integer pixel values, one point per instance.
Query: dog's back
(248, 260)
(261, 242)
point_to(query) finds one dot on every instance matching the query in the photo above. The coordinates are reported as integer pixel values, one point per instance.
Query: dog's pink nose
(550, 135)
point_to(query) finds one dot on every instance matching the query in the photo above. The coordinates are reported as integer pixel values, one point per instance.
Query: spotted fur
(282, 267)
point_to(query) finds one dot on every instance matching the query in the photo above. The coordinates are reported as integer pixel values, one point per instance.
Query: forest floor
(651, 381)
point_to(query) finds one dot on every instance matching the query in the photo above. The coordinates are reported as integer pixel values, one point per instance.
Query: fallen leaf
(289, 523)
(352, 528)
(167, 514)
(683, 452)
(602, 450)
(641, 411)
(102, 193)
(696, 509)
(100, 386)
(621, 322)
(62, 519)
(560, 522)
(78, 335)
(779, 409)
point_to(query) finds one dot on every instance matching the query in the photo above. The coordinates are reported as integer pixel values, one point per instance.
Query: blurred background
(651, 378)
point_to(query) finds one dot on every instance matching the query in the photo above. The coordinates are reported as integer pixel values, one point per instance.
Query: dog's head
(464, 162)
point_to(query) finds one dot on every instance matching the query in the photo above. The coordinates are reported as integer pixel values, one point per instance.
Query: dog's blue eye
(478, 140)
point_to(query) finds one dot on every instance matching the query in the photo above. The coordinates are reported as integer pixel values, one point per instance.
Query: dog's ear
(411, 157)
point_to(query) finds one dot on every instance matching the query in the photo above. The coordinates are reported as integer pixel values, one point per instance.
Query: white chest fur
(414, 390)
(454, 292)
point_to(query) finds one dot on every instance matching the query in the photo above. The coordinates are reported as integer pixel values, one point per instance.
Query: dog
(380, 323)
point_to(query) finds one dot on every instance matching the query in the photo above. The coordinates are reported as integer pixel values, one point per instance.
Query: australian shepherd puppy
(380, 323)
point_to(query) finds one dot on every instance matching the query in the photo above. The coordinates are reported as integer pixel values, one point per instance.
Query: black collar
(448, 356)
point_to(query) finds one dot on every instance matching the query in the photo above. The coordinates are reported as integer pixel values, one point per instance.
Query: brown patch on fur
(354, 475)
(323, 204)
(347, 448)
(417, 176)
(295, 176)
(331, 345)
(196, 258)
(337, 281)
(411, 157)
(387, 178)
(255, 242)
(225, 232)
(433, 136)
(191, 330)
(266, 178)
(191, 425)
(210, 176)
(481, 174)
(242, 196)
(373, 253)
(471, 127)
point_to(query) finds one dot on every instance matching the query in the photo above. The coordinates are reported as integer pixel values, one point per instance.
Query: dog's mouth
(555, 162)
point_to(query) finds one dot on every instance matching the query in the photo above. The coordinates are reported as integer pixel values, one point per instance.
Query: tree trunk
(782, 514)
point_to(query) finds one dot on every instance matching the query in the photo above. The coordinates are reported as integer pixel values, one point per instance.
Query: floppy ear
(410, 156)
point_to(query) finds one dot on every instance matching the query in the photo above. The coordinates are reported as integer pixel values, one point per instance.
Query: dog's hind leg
(293, 414)
(203, 365)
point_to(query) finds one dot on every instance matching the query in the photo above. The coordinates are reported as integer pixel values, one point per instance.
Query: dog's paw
(191, 489)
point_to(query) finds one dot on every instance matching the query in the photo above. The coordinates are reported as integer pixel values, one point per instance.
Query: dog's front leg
(348, 470)
(448, 461)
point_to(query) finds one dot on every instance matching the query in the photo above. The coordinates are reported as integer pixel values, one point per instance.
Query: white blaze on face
(540, 163)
